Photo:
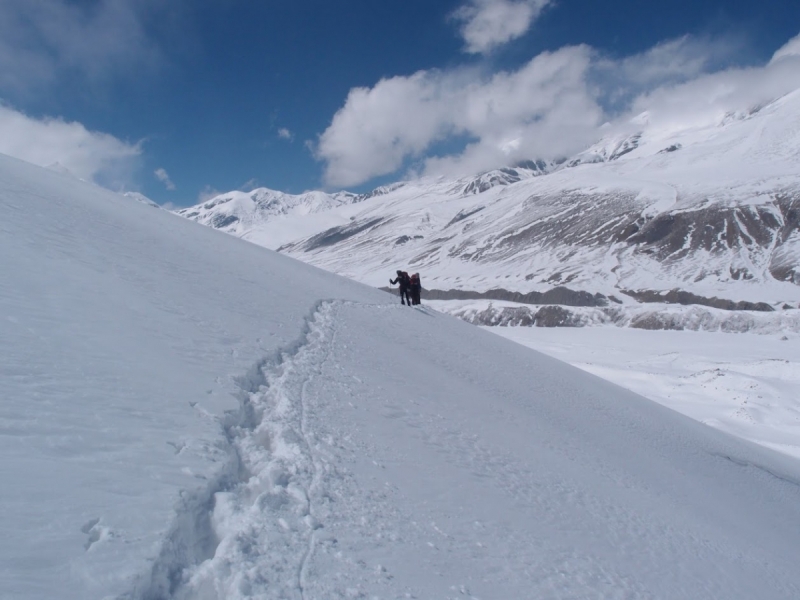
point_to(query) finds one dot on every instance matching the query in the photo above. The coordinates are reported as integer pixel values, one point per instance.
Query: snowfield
(745, 384)
(186, 415)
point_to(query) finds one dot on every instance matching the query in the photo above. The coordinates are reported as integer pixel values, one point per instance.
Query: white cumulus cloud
(285, 134)
(89, 155)
(162, 175)
(43, 42)
(543, 109)
(465, 120)
(487, 24)
(708, 98)
(790, 49)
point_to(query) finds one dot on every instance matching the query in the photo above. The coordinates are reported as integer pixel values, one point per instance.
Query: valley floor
(745, 384)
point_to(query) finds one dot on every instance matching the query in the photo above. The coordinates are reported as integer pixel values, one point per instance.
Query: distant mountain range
(695, 215)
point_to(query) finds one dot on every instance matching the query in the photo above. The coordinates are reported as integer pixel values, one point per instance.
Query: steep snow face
(123, 333)
(714, 210)
(188, 416)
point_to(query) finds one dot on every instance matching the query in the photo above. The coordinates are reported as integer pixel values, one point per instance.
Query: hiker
(405, 281)
(415, 288)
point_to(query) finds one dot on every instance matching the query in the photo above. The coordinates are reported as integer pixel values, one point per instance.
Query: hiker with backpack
(415, 288)
(405, 283)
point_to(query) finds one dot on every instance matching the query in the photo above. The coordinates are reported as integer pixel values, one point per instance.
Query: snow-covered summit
(236, 212)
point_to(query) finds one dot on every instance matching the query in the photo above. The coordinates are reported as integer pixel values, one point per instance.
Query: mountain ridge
(711, 211)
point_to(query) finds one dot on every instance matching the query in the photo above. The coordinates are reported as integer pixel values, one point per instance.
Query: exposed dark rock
(334, 235)
(420, 257)
(717, 229)
(555, 316)
(558, 295)
(533, 165)
(220, 221)
(687, 298)
(629, 145)
(463, 215)
(657, 321)
(673, 148)
(785, 273)
(491, 179)
(406, 238)
(654, 231)
(211, 204)
(505, 317)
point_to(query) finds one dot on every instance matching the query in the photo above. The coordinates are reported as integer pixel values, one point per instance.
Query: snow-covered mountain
(248, 214)
(187, 416)
(705, 214)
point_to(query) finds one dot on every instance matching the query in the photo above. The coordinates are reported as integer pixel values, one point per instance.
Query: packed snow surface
(188, 416)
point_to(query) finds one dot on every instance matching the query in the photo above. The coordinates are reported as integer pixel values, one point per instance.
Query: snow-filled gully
(253, 528)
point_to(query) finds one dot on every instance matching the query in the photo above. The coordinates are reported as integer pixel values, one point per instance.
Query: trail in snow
(266, 522)
(353, 482)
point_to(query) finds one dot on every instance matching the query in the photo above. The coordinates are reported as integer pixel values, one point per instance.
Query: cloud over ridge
(549, 108)
(89, 155)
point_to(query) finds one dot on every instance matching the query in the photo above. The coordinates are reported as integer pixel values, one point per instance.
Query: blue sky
(178, 99)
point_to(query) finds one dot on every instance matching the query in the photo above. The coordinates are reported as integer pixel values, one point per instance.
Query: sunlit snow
(185, 415)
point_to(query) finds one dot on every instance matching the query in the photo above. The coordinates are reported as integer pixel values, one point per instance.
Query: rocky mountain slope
(695, 215)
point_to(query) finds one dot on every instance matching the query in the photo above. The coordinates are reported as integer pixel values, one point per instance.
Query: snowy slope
(747, 385)
(712, 208)
(369, 449)
(121, 330)
(271, 218)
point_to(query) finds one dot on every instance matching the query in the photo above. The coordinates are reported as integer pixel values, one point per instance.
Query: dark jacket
(403, 279)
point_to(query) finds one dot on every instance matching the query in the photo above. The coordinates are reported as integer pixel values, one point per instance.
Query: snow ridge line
(251, 530)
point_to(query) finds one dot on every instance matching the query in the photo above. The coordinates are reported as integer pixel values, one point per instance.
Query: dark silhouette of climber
(415, 287)
(405, 284)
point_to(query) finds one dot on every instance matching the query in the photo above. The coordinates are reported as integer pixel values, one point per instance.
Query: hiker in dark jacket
(405, 283)
(415, 288)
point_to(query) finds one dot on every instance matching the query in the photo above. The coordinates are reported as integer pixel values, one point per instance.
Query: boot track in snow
(253, 528)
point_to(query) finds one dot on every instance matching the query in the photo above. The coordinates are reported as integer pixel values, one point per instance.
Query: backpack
(414, 281)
